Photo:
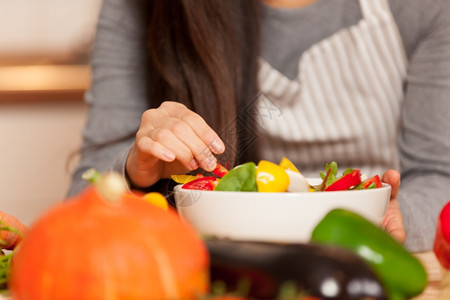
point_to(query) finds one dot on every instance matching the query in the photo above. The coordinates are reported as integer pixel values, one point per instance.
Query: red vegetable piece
(442, 238)
(220, 170)
(375, 179)
(202, 183)
(345, 182)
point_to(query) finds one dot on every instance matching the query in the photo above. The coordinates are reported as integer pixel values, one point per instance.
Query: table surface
(434, 277)
(433, 268)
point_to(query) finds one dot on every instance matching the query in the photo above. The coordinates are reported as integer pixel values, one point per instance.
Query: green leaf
(5, 261)
(358, 187)
(240, 178)
(333, 170)
(372, 186)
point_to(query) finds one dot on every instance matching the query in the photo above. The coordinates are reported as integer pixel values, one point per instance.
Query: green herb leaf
(240, 178)
(331, 170)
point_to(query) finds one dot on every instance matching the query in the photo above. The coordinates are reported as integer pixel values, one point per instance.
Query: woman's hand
(171, 140)
(393, 222)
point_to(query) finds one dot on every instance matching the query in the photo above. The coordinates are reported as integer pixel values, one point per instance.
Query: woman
(364, 83)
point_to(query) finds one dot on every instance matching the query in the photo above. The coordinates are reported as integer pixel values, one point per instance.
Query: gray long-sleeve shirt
(117, 97)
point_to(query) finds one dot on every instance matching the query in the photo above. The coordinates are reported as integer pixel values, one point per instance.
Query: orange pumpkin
(92, 248)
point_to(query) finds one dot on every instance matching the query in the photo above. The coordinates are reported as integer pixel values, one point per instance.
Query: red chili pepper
(220, 170)
(345, 182)
(325, 179)
(202, 183)
(442, 237)
(375, 180)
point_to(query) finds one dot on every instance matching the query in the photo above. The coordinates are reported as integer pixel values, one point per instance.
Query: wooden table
(434, 277)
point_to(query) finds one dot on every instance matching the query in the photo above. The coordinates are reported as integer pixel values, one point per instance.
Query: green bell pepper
(241, 178)
(401, 273)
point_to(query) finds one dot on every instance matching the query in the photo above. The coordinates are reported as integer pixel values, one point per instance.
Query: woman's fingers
(203, 131)
(171, 138)
(393, 222)
(194, 145)
(392, 177)
(173, 123)
(197, 123)
(148, 146)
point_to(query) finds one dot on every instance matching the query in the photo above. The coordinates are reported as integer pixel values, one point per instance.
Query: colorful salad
(270, 177)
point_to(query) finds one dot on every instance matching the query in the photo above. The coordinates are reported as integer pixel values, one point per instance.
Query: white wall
(46, 31)
(36, 140)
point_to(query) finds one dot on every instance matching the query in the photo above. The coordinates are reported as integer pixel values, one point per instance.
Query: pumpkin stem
(111, 186)
(91, 175)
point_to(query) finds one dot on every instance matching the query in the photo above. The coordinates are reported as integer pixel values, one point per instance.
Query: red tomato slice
(202, 183)
(345, 182)
(375, 179)
(220, 170)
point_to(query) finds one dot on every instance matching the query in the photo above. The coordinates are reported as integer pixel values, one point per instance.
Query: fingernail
(168, 155)
(193, 164)
(217, 147)
(209, 163)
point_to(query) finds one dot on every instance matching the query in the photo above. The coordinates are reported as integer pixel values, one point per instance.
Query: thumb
(392, 177)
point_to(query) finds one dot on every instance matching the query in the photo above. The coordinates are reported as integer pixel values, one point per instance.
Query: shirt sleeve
(424, 142)
(117, 97)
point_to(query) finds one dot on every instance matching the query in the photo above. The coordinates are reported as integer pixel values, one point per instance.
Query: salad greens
(349, 180)
(5, 260)
(329, 177)
(240, 178)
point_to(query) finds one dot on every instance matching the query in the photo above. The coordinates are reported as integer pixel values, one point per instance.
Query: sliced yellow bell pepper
(271, 178)
(182, 179)
(286, 164)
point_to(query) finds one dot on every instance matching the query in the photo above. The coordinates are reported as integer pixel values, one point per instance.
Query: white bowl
(273, 217)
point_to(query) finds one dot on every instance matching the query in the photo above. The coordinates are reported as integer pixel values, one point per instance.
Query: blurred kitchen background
(45, 47)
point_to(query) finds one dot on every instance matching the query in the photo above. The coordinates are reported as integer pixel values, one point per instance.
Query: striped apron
(345, 103)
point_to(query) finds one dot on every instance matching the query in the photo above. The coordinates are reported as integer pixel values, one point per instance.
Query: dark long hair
(204, 54)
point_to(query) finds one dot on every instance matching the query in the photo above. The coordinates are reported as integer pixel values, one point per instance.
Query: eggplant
(326, 272)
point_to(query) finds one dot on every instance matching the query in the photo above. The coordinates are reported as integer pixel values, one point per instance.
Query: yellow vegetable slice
(183, 178)
(156, 199)
(286, 164)
(271, 178)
